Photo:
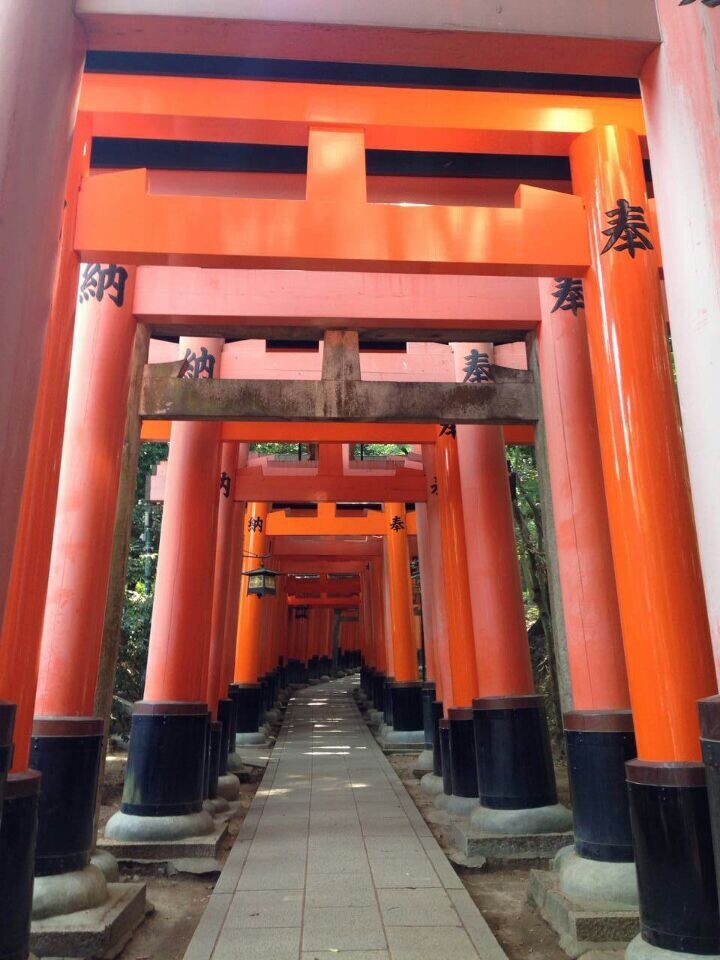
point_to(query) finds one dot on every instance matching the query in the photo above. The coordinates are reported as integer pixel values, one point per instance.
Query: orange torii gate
(546, 233)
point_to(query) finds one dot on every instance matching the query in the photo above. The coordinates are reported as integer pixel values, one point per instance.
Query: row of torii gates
(571, 278)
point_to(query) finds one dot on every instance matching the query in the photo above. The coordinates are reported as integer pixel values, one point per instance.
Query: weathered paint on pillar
(247, 648)
(42, 50)
(680, 86)
(587, 576)
(657, 568)
(223, 547)
(399, 594)
(23, 621)
(461, 642)
(87, 492)
(502, 651)
(180, 632)
(443, 678)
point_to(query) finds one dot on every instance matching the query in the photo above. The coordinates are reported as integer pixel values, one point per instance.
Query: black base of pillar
(247, 700)
(17, 862)
(437, 715)
(378, 693)
(462, 752)
(213, 760)
(670, 819)
(445, 764)
(66, 752)
(428, 698)
(599, 744)
(225, 711)
(514, 761)
(166, 759)
(387, 707)
(407, 705)
(7, 725)
(710, 740)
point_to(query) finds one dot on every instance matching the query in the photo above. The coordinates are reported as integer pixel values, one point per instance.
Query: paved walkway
(334, 861)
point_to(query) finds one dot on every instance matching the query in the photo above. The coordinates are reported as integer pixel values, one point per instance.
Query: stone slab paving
(334, 861)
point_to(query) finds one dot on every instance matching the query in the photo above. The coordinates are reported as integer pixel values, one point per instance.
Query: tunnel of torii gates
(534, 314)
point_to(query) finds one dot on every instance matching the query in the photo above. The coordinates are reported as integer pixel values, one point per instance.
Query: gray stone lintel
(511, 398)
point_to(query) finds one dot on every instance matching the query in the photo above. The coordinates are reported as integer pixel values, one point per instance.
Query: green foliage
(137, 612)
(529, 537)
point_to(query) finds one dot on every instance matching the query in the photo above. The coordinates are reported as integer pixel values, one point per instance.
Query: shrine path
(334, 861)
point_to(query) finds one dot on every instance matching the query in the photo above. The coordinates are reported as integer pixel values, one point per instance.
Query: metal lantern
(261, 582)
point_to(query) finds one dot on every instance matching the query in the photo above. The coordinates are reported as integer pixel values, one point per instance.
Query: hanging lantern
(261, 582)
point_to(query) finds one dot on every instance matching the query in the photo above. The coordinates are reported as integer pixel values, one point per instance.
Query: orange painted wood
(654, 546)
(178, 653)
(23, 621)
(544, 235)
(329, 523)
(169, 297)
(255, 547)
(293, 432)
(455, 584)
(587, 576)
(86, 505)
(498, 613)
(221, 579)
(393, 118)
(399, 593)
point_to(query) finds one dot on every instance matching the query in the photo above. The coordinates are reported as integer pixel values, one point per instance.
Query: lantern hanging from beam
(261, 582)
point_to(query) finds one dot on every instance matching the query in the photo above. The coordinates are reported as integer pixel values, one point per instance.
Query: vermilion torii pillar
(246, 689)
(509, 717)
(405, 690)
(67, 738)
(598, 730)
(164, 785)
(23, 622)
(459, 763)
(432, 576)
(659, 586)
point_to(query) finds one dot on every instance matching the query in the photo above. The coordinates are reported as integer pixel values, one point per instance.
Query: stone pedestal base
(551, 819)
(400, 741)
(423, 763)
(65, 893)
(639, 949)
(229, 787)
(101, 932)
(511, 846)
(145, 850)
(431, 784)
(582, 927)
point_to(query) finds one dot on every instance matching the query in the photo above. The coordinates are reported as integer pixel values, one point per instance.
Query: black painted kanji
(627, 229)
(568, 295)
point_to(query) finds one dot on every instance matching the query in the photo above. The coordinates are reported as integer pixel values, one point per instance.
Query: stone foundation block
(163, 851)
(101, 932)
(581, 928)
(497, 846)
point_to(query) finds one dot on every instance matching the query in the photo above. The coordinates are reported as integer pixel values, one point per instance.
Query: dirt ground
(178, 900)
(499, 892)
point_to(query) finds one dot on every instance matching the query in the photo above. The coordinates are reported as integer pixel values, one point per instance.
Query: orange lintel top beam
(329, 523)
(323, 601)
(393, 118)
(119, 221)
(249, 431)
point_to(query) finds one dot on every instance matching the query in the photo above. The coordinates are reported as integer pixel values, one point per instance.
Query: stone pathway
(334, 861)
